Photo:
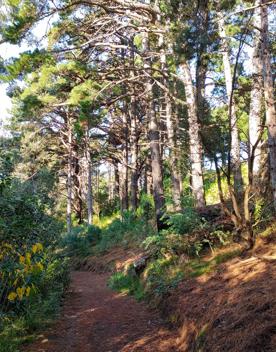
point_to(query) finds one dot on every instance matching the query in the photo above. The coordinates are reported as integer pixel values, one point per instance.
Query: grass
(198, 267)
(162, 275)
(128, 284)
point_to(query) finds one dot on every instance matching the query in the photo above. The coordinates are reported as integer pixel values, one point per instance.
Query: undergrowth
(174, 254)
(21, 322)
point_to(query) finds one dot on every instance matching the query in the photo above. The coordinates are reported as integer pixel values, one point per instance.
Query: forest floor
(231, 309)
(95, 319)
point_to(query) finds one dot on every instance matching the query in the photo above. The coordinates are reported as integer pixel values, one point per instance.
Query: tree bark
(202, 62)
(175, 174)
(78, 187)
(195, 141)
(134, 156)
(116, 180)
(69, 181)
(256, 96)
(89, 197)
(124, 167)
(234, 130)
(269, 99)
(173, 161)
(154, 140)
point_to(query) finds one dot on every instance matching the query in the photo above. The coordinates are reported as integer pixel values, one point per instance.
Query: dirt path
(95, 319)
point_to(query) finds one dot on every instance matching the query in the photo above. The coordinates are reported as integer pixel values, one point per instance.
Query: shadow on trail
(95, 319)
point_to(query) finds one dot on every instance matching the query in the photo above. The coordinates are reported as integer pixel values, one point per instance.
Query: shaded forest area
(141, 143)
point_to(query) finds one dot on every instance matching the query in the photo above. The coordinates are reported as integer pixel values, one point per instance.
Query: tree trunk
(234, 130)
(195, 141)
(269, 100)
(256, 96)
(78, 188)
(175, 174)
(154, 140)
(89, 197)
(148, 177)
(156, 162)
(116, 180)
(202, 61)
(124, 168)
(134, 156)
(69, 182)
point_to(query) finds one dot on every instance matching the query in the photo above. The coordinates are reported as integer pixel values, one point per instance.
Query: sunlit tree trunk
(148, 177)
(116, 180)
(124, 167)
(111, 185)
(134, 155)
(89, 197)
(174, 169)
(269, 100)
(175, 174)
(256, 96)
(194, 138)
(78, 186)
(234, 130)
(154, 140)
(69, 180)
(202, 61)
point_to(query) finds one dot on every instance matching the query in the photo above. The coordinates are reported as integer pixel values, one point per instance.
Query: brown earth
(232, 309)
(95, 319)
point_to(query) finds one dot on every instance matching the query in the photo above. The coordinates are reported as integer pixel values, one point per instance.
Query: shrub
(182, 223)
(26, 313)
(146, 207)
(130, 229)
(81, 240)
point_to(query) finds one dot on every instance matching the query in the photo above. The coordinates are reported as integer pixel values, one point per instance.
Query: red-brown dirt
(95, 319)
(232, 309)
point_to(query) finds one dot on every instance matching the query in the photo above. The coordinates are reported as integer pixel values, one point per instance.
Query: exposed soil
(95, 319)
(232, 309)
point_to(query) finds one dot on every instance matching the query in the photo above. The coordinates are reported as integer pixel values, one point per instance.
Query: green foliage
(81, 240)
(23, 216)
(146, 207)
(127, 283)
(21, 323)
(161, 275)
(166, 244)
(128, 230)
(185, 222)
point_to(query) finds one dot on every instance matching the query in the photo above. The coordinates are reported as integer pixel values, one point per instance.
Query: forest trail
(96, 319)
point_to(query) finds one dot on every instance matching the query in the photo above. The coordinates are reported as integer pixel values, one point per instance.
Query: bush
(128, 230)
(186, 222)
(146, 207)
(26, 313)
(162, 275)
(81, 240)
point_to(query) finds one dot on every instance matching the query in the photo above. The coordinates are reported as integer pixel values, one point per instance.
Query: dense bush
(31, 294)
(25, 216)
(81, 240)
(32, 276)
(183, 223)
(129, 229)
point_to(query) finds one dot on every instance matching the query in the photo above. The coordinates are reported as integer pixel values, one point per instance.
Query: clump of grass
(127, 283)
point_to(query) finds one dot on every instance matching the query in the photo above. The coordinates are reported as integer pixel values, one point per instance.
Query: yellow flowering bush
(19, 271)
